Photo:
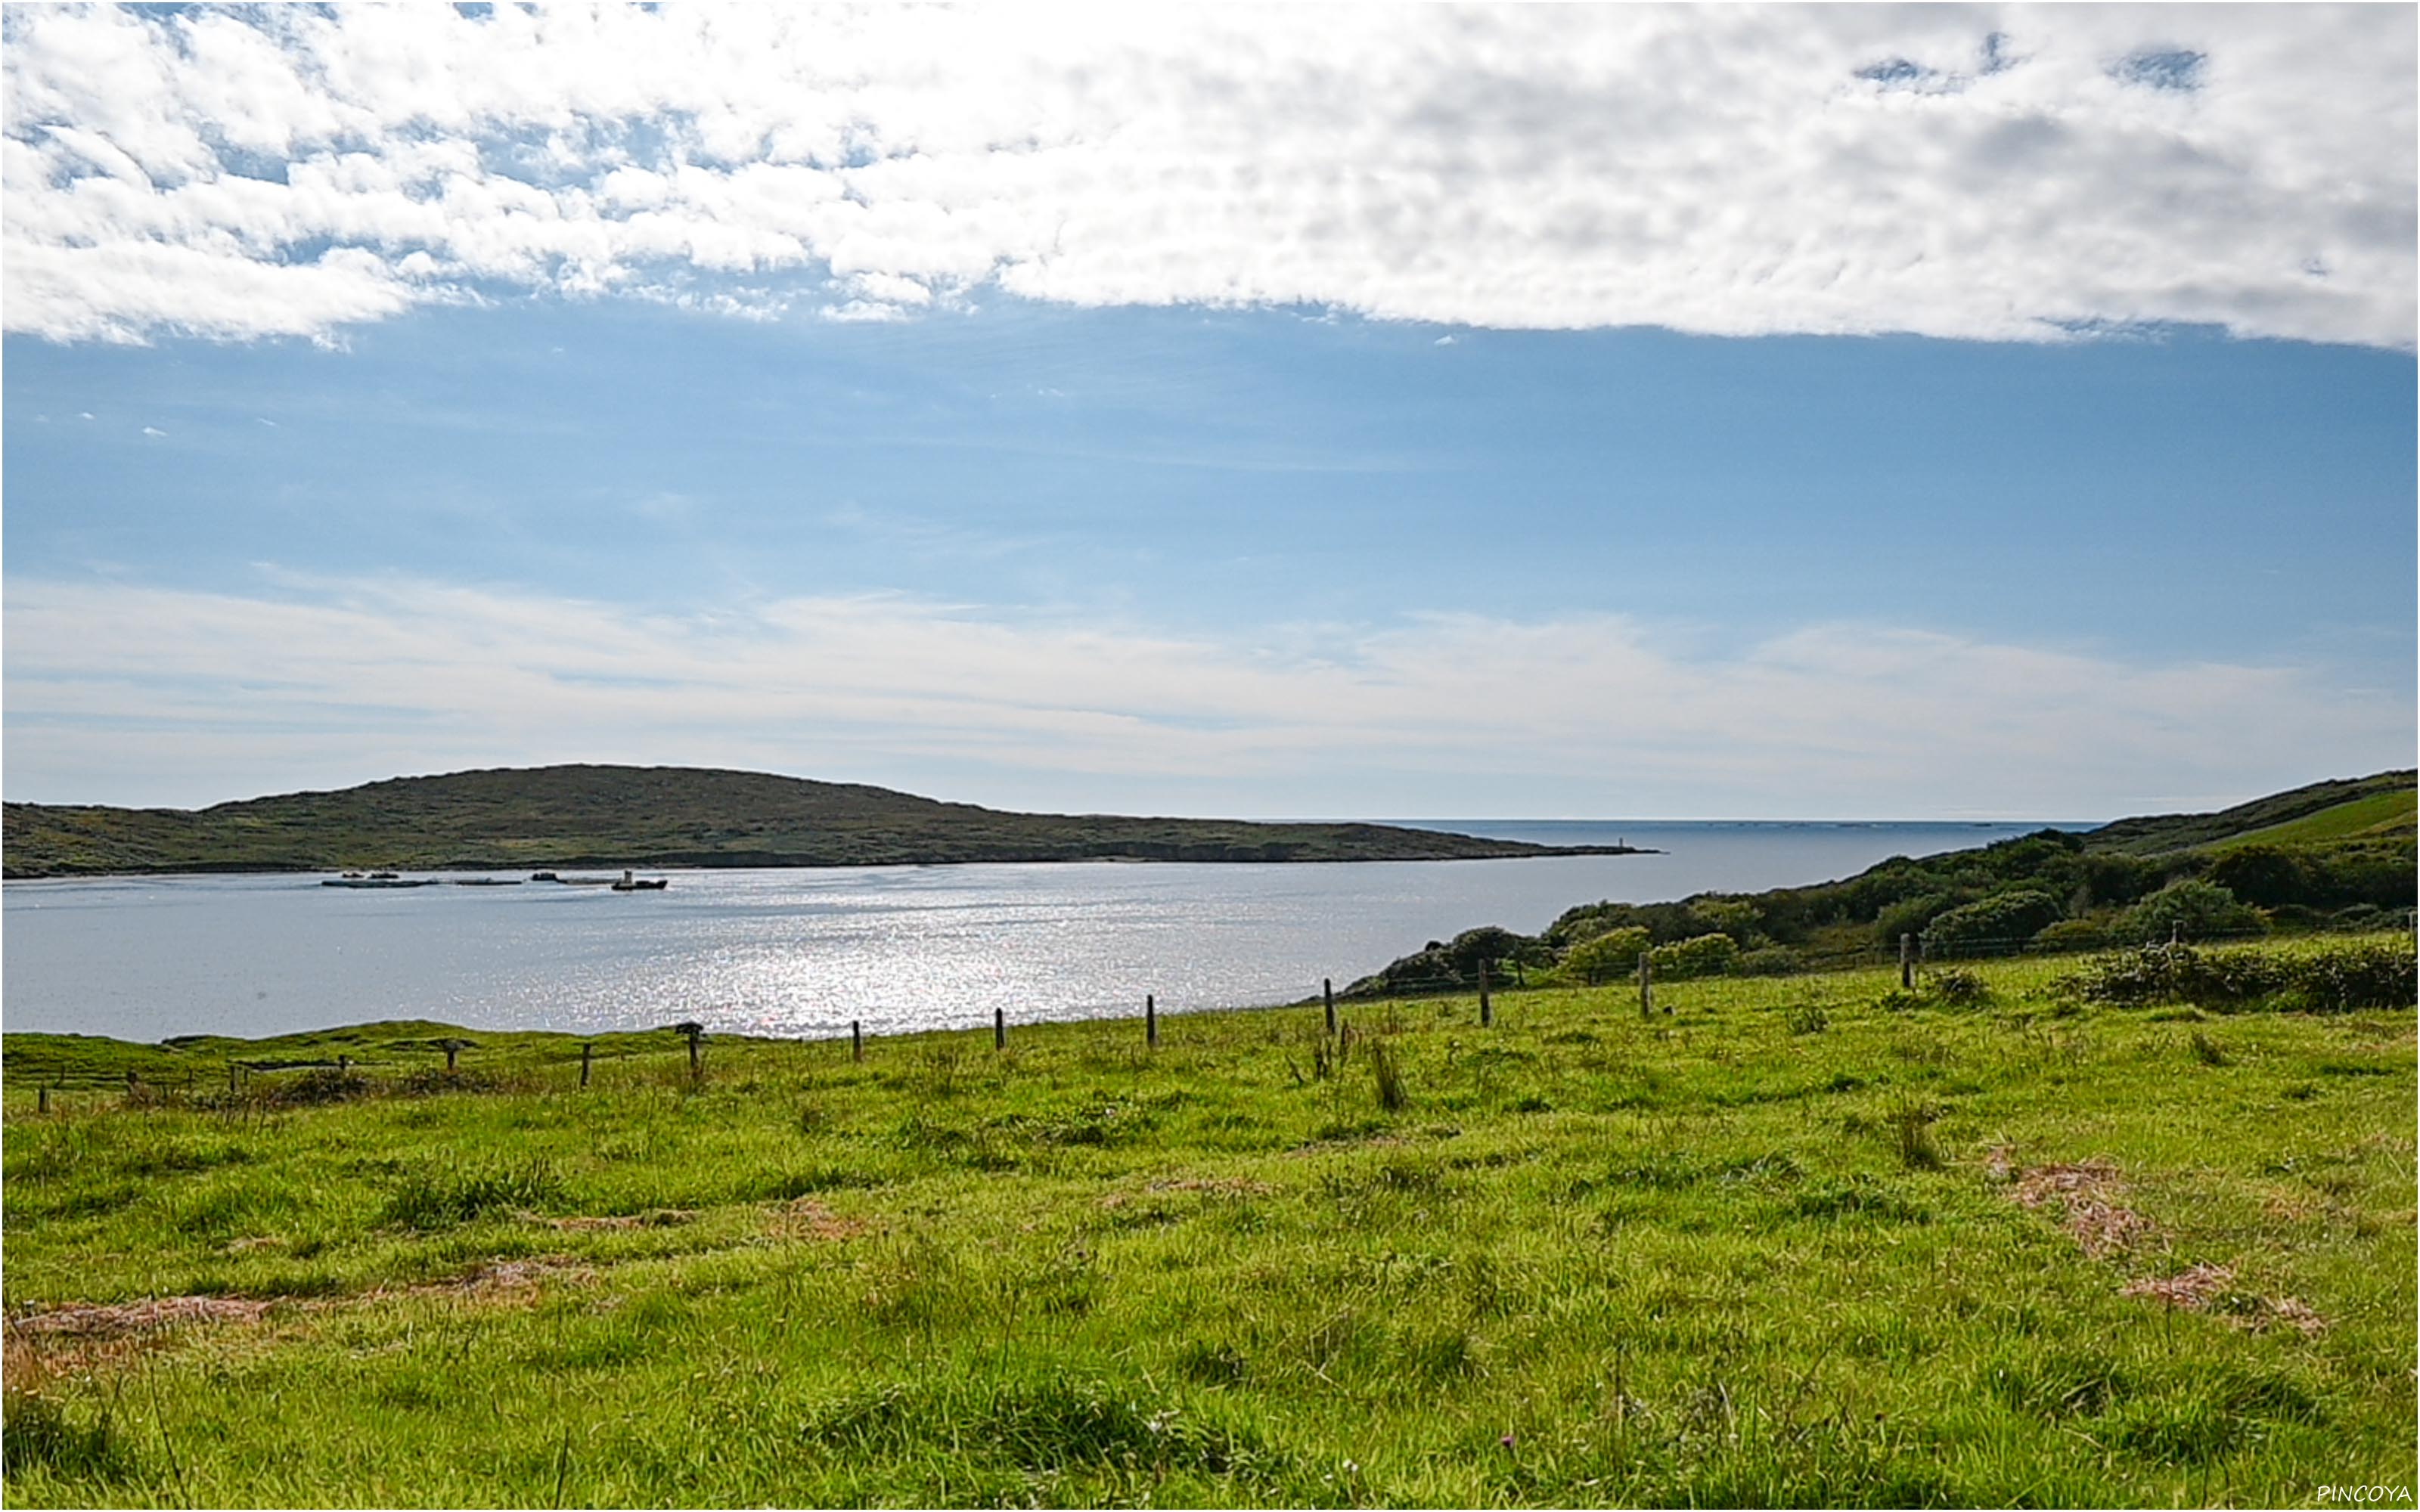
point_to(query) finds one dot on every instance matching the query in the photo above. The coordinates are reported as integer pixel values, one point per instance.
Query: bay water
(803, 951)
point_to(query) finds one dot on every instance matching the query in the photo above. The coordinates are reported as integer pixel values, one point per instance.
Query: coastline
(1513, 851)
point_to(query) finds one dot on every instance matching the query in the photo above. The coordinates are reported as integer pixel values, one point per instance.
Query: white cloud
(1999, 172)
(122, 693)
(153, 430)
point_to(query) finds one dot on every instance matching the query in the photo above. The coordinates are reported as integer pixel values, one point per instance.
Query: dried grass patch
(114, 1320)
(2208, 1288)
(84, 1340)
(808, 1219)
(2087, 1194)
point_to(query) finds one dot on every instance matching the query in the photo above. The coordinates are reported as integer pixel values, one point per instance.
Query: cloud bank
(2001, 173)
(125, 693)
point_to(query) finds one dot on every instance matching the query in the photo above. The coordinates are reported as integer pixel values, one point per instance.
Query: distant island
(509, 818)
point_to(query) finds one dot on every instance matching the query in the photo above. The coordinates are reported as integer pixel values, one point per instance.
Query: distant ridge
(513, 817)
(2175, 832)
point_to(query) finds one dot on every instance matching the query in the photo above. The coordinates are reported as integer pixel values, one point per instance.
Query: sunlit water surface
(804, 952)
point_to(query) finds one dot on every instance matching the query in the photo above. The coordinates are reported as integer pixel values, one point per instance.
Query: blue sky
(1939, 546)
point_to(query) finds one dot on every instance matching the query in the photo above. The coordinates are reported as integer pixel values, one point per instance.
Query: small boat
(388, 880)
(487, 881)
(634, 884)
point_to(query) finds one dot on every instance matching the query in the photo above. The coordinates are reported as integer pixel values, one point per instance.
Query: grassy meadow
(1801, 1239)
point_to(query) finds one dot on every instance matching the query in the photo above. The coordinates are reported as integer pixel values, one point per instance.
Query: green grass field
(1799, 1241)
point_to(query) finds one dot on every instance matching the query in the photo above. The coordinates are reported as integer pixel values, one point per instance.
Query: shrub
(1490, 944)
(1738, 918)
(2192, 909)
(2353, 977)
(2071, 935)
(1708, 955)
(1958, 989)
(1908, 917)
(2362, 918)
(1613, 954)
(2262, 874)
(1770, 961)
(2019, 913)
(2335, 981)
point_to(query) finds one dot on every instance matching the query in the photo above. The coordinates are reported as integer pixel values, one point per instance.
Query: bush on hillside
(1738, 918)
(2263, 875)
(2193, 909)
(2073, 935)
(1909, 915)
(2003, 919)
(1492, 945)
(1608, 957)
(1708, 955)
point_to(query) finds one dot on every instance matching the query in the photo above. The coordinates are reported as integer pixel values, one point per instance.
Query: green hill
(2322, 810)
(2332, 855)
(615, 816)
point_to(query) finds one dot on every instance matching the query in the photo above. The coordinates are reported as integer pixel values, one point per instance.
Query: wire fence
(241, 1077)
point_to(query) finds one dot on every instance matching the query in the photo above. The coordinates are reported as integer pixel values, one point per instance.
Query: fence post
(1150, 1021)
(587, 1049)
(1486, 1009)
(1907, 960)
(41, 1100)
(856, 1040)
(1646, 987)
(1328, 996)
(1000, 1028)
(230, 1078)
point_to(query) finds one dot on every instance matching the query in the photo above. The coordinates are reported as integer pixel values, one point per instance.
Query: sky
(1631, 412)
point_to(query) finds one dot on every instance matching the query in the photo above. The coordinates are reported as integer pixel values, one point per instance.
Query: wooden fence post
(1328, 996)
(1486, 1009)
(1646, 987)
(587, 1052)
(1000, 1028)
(41, 1100)
(1150, 1021)
(856, 1040)
(230, 1078)
(1907, 960)
(691, 1031)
